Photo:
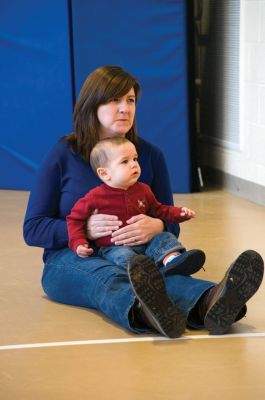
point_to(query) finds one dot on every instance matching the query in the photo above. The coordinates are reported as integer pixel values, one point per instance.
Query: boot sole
(148, 286)
(241, 283)
(190, 263)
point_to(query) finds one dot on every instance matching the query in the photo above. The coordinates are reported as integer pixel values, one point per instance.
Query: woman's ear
(103, 174)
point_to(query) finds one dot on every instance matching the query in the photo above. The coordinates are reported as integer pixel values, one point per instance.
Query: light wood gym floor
(108, 362)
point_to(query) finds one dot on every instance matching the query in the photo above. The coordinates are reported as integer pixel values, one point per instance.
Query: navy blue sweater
(64, 177)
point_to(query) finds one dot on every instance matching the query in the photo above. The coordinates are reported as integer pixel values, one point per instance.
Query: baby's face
(123, 169)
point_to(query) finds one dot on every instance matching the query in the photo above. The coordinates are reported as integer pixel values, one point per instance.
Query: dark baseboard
(240, 187)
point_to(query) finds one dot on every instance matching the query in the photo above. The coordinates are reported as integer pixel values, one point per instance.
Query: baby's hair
(99, 156)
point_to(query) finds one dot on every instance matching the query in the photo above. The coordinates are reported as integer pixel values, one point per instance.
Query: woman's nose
(123, 107)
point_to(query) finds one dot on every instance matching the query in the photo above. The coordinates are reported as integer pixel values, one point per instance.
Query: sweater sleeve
(76, 221)
(169, 214)
(42, 226)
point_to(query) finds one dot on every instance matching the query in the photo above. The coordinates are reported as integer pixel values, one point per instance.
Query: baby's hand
(186, 212)
(84, 251)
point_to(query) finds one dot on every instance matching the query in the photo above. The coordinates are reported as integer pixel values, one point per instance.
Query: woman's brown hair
(102, 85)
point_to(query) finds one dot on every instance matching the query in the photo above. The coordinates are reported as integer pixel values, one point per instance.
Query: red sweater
(138, 199)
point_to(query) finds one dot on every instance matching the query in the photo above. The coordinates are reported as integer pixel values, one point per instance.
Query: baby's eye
(135, 159)
(125, 162)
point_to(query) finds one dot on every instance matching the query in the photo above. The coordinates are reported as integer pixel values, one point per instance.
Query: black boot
(225, 303)
(154, 309)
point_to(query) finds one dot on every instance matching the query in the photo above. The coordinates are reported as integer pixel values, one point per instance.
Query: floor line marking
(126, 340)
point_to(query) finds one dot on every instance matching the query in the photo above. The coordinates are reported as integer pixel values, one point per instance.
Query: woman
(140, 299)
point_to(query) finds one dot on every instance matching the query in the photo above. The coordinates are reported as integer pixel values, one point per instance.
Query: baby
(115, 161)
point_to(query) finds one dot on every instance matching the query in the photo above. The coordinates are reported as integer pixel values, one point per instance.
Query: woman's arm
(161, 186)
(43, 226)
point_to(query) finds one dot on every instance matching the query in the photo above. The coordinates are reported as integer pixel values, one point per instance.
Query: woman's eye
(115, 100)
(131, 100)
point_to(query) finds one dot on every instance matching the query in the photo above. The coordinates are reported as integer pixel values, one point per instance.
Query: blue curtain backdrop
(35, 85)
(48, 49)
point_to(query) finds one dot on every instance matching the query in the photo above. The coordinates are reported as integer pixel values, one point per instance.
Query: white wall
(247, 161)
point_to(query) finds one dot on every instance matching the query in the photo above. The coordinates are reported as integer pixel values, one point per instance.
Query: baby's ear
(103, 174)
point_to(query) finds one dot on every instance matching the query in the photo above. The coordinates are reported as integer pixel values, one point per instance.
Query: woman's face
(116, 117)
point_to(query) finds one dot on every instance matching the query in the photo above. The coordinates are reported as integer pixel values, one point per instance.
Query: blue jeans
(96, 283)
(161, 245)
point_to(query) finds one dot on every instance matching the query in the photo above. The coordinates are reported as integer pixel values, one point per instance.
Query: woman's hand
(100, 225)
(140, 230)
